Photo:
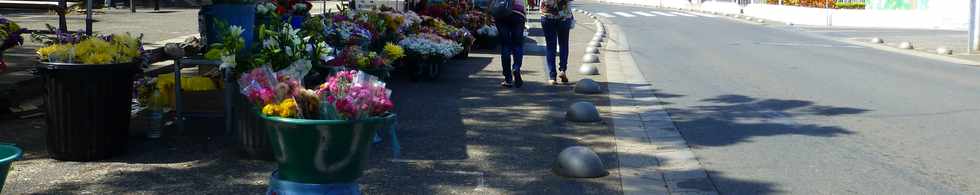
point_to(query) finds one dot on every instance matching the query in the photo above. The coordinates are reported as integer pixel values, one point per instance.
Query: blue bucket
(295, 21)
(8, 154)
(242, 15)
(282, 187)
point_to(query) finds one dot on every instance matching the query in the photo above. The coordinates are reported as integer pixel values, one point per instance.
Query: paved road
(768, 110)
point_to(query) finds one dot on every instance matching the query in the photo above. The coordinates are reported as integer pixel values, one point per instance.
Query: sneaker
(552, 82)
(561, 75)
(505, 84)
(518, 82)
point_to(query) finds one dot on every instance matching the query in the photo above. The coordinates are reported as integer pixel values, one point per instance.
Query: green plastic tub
(322, 151)
(8, 154)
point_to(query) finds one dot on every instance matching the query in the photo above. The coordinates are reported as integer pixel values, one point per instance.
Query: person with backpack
(556, 21)
(510, 18)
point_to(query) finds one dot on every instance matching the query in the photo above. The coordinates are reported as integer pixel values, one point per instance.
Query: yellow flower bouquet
(111, 49)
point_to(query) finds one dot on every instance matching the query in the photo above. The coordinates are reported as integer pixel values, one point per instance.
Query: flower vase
(322, 151)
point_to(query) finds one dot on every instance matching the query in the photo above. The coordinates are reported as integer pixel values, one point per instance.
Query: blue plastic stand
(283, 187)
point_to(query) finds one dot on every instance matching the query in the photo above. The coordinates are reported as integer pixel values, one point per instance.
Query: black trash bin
(88, 109)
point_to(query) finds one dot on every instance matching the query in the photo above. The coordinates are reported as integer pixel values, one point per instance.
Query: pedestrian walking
(556, 21)
(510, 18)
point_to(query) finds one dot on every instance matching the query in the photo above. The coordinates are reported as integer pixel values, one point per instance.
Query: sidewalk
(460, 134)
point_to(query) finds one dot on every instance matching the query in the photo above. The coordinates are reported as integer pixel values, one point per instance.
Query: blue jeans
(556, 39)
(511, 37)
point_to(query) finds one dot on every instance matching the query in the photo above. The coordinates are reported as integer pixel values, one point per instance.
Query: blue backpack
(502, 8)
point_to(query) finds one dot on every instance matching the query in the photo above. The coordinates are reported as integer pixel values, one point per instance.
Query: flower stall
(89, 90)
(10, 34)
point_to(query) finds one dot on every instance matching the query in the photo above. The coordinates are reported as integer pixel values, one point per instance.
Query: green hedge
(854, 5)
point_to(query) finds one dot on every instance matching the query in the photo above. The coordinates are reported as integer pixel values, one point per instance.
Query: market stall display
(10, 35)
(89, 90)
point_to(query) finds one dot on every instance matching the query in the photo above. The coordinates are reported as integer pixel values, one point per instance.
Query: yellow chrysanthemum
(92, 45)
(96, 58)
(125, 40)
(288, 108)
(393, 51)
(45, 52)
(270, 109)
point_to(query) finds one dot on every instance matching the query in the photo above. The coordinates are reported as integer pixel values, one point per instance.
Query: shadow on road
(731, 119)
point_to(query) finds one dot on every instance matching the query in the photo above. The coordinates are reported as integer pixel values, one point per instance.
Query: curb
(654, 157)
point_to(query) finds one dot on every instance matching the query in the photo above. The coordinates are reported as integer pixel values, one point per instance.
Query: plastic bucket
(242, 15)
(322, 151)
(278, 186)
(88, 109)
(8, 154)
(252, 136)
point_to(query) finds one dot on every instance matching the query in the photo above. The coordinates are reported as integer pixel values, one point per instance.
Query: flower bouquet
(293, 12)
(461, 35)
(486, 37)
(374, 63)
(321, 135)
(89, 82)
(340, 30)
(280, 47)
(425, 52)
(10, 34)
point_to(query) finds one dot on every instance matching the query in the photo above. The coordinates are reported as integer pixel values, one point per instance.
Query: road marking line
(605, 15)
(643, 14)
(705, 15)
(683, 14)
(624, 14)
(661, 13)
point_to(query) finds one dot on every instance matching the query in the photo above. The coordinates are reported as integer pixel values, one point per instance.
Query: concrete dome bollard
(588, 69)
(877, 40)
(944, 51)
(906, 45)
(595, 44)
(587, 86)
(579, 162)
(582, 112)
(590, 58)
(592, 50)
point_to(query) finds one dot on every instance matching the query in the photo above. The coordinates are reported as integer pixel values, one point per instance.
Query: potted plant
(321, 135)
(89, 91)
(281, 48)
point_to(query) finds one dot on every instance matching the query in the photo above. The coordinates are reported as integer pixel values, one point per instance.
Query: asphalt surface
(769, 110)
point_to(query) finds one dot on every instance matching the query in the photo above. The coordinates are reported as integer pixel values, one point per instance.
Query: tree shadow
(731, 119)
(509, 136)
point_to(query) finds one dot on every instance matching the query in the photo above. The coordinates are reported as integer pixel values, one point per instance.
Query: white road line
(624, 14)
(705, 15)
(643, 14)
(661, 13)
(683, 14)
(605, 15)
